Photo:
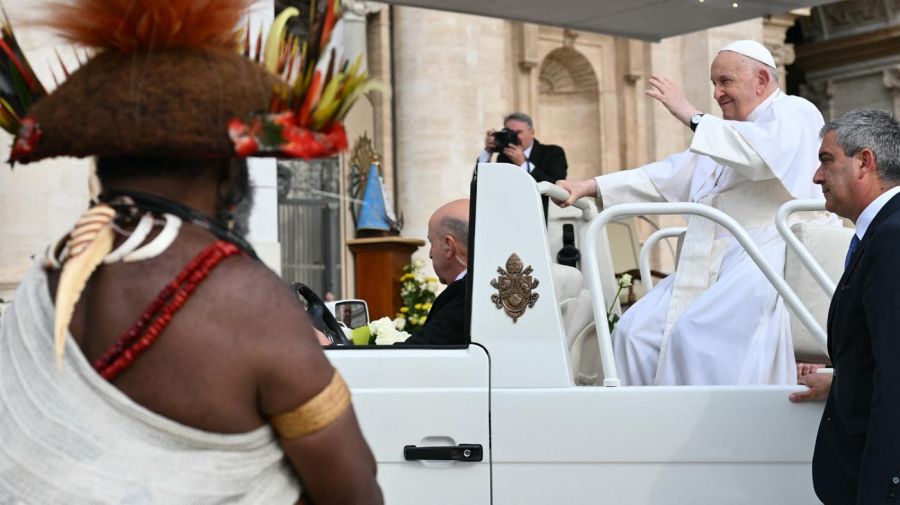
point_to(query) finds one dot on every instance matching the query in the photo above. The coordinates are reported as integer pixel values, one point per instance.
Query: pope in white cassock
(718, 320)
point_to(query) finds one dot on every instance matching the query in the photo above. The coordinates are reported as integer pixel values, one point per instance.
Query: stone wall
(850, 56)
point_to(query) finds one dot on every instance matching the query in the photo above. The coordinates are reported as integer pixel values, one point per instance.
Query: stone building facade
(452, 77)
(455, 76)
(848, 56)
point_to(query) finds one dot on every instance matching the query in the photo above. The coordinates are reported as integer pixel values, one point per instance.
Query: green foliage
(418, 293)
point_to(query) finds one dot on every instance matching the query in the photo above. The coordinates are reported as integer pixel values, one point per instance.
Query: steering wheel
(321, 317)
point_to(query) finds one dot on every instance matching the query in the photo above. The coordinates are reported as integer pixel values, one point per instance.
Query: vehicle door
(424, 413)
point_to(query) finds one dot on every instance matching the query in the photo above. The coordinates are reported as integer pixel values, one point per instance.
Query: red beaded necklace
(140, 336)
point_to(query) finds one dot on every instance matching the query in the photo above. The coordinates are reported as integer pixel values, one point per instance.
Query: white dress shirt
(485, 157)
(872, 210)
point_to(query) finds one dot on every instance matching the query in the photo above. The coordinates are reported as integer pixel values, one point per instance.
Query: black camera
(504, 138)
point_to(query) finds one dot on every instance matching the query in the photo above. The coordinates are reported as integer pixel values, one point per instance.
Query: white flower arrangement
(387, 331)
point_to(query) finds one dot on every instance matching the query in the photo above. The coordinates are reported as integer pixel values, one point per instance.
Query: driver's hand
(489, 142)
(577, 189)
(323, 339)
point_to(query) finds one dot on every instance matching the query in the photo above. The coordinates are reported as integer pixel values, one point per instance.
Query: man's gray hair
(456, 228)
(870, 129)
(520, 116)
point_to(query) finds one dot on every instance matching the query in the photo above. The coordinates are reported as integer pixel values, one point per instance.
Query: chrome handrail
(647, 248)
(604, 340)
(781, 223)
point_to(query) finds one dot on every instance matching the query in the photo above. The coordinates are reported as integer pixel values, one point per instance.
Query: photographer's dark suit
(445, 324)
(857, 457)
(549, 164)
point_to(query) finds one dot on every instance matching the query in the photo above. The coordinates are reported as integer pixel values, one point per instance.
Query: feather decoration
(19, 86)
(320, 88)
(276, 41)
(135, 25)
(89, 243)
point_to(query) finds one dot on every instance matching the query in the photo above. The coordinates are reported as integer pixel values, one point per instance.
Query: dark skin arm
(334, 464)
(240, 351)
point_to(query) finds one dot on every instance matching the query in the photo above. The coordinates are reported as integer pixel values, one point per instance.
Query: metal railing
(588, 208)
(781, 222)
(647, 248)
(611, 377)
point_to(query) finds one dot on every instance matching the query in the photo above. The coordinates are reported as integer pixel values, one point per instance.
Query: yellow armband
(317, 413)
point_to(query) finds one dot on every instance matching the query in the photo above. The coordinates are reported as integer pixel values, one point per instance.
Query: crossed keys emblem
(514, 286)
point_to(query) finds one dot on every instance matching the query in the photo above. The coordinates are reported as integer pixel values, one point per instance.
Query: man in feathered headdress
(149, 357)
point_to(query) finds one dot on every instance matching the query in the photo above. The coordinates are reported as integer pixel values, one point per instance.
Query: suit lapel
(891, 207)
(535, 157)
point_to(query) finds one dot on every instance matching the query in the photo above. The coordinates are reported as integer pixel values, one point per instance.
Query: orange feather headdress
(175, 78)
(145, 25)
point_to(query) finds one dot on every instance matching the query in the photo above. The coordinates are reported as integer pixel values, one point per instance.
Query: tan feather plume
(89, 243)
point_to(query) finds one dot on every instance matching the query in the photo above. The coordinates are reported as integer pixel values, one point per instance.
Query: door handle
(461, 452)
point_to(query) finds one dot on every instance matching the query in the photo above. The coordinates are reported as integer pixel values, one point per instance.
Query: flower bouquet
(380, 332)
(418, 293)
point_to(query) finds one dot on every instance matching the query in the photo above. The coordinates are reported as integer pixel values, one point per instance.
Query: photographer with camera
(516, 144)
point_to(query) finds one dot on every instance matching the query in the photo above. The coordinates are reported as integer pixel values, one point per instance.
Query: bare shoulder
(274, 333)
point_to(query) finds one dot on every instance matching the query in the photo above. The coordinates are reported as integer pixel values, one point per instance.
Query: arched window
(569, 109)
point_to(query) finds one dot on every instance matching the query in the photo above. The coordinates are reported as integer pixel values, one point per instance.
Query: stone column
(355, 37)
(821, 93)
(774, 29)
(891, 80)
(451, 84)
(631, 65)
(378, 48)
(525, 41)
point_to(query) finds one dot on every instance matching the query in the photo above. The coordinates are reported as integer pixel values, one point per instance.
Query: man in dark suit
(545, 162)
(857, 456)
(448, 233)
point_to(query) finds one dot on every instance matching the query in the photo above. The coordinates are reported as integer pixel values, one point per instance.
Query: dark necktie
(852, 250)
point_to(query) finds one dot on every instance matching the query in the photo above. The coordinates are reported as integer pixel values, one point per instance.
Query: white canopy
(641, 19)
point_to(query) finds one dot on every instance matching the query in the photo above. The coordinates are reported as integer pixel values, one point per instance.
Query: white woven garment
(68, 436)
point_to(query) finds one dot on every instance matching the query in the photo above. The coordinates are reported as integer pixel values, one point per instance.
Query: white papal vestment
(717, 320)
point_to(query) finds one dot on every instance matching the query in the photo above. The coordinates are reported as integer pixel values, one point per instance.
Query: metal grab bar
(588, 208)
(784, 212)
(647, 248)
(611, 376)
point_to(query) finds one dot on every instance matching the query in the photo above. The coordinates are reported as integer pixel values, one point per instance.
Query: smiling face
(839, 176)
(739, 84)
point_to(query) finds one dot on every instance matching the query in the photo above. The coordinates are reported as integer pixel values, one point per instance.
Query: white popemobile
(532, 411)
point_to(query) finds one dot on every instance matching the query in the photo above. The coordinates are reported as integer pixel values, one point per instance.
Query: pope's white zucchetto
(751, 49)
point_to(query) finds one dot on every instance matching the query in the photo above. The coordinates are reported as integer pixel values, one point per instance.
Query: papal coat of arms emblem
(514, 286)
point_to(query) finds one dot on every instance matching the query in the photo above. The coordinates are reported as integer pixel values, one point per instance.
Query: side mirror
(352, 313)
(319, 315)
